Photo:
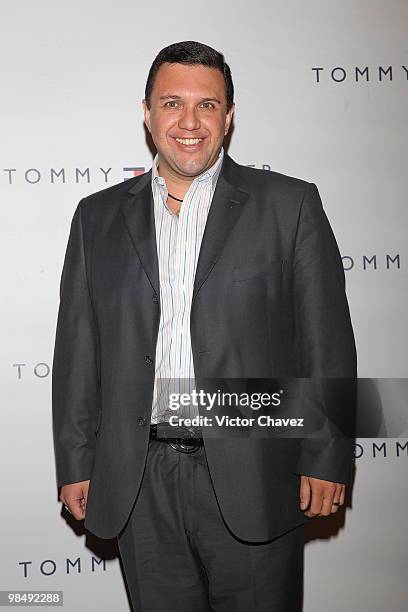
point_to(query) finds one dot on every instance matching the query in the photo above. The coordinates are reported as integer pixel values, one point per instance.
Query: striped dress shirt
(178, 239)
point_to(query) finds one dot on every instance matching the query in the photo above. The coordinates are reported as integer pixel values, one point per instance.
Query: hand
(74, 497)
(320, 497)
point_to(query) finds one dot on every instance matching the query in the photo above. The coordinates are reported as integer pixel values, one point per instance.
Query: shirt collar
(212, 173)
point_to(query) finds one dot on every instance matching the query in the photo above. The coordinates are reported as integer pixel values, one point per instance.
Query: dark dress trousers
(269, 301)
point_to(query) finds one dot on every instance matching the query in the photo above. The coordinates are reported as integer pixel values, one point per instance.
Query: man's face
(188, 118)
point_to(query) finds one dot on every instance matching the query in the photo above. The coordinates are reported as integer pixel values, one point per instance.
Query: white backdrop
(72, 80)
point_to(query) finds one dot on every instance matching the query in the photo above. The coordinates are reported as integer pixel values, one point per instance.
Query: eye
(171, 104)
(207, 105)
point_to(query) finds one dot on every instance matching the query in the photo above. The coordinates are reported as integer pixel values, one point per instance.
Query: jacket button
(141, 421)
(148, 360)
(155, 298)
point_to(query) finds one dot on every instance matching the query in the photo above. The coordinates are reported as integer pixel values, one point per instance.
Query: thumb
(304, 492)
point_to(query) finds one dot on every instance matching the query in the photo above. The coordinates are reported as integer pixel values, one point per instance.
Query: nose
(189, 119)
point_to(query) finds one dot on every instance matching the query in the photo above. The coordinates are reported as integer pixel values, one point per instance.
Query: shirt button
(141, 421)
(148, 360)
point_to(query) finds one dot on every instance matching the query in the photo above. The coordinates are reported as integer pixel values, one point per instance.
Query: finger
(343, 494)
(85, 489)
(327, 504)
(336, 499)
(329, 491)
(304, 492)
(315, 503)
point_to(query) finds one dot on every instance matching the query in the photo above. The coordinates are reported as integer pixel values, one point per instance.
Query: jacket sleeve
(75, 373)
(324, 342)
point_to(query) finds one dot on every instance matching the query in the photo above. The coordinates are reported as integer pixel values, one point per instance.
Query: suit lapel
(226, 207)
(139, 216)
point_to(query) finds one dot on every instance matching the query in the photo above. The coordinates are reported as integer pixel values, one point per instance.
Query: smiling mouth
(189, 141)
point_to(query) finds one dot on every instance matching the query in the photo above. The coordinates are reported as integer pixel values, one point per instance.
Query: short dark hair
(191, 52)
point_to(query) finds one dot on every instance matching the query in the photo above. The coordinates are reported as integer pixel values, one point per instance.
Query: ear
(146, 113)
(228, 119)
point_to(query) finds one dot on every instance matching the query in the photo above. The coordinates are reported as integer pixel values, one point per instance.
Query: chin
(194, 166)
(194, 169)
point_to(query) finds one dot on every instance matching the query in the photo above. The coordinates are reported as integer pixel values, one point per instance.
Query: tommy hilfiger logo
(359, 74)
(60, 176)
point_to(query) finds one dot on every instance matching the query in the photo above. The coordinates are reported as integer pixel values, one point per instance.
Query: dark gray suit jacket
(269, 301)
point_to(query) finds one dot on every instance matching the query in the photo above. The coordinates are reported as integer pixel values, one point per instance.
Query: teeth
(189, 141)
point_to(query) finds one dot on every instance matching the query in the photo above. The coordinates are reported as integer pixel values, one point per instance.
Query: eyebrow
(174, 97)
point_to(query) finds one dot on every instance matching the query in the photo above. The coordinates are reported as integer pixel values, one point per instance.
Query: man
(201, 268)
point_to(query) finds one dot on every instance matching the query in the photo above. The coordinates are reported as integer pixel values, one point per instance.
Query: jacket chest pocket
(256, 270)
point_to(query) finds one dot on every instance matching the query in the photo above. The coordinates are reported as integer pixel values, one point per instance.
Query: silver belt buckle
(180, 444)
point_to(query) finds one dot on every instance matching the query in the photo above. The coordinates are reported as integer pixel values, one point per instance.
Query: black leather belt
(180, 438)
